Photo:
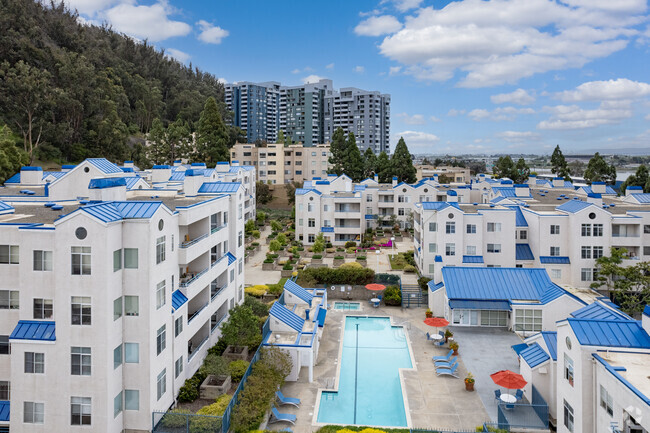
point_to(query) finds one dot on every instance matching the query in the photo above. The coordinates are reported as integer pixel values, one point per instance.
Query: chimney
(522, 190)
(107, 189)
(532, 179)
(160, 173)
(452, 196)
(222, 167)
(594, 198)
(435, 177)
(598, 187)
(633, 190)
(235, 163)
(558, 182)
(67, 168)
(437, 271)
(128, 164)
(31, 175)
(376, 177)
(645, 319)
(394, 180)
(178, 163)
(192, 182)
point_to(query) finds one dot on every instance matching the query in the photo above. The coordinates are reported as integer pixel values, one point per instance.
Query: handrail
(191, 355)
(216, 325)
(218, 260)
(219, 290)
(196, 313)
(216, 229)
(187, 244)
(194, 278)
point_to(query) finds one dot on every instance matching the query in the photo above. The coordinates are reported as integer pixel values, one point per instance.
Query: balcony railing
(196, 313)
(191, 353)
(194, 278)
(193, 241)
(216, 229)
(217, 261)
(216, 292)
(219, 321)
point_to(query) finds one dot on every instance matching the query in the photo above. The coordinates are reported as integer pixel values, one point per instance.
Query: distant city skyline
(465, 76)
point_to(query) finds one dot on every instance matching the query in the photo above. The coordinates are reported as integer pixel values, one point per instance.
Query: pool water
(370, 392)
(347, 306)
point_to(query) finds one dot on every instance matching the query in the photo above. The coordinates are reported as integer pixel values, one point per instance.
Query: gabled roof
(599, 311)
(286, 316)
(34, 330)
(610, 333)
(117, 210)
(550, 338)
(520, 219)
(177, 176)
(178, 299)
(298, 291)
(132, 181)
(438, 205)
(433, 286)
(589, 190)
(523, 252)
(104, 165)
(534, 355)
(472, 259)
(231, 258)
(574, 206)
(641, 197)
(303, 191)
(108, 182)
(217, 187)
(5, 208)
(554, 260)
(4, 410)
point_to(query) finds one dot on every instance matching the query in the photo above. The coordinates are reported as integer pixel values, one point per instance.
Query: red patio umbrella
(375, 287)
(508, 379)
(436, 322)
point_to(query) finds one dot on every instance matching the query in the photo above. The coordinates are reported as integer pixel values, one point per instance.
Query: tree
(522, 171)
(262, 193)
(319, 243)
(276, 226)
(504, 167)
(383, 168)
(337, 153)
(608, 269)
(639, 178)
(559, 165)
(11, 156)
(275, 246)
(290, 188)
(158, 150)
(369, 163)
(353, 163)
(211, 135)
(242, 328)
(402, 163)
(576, 168)
(599, 171)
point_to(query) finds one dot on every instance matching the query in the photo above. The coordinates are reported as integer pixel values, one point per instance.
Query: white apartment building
(112, 296)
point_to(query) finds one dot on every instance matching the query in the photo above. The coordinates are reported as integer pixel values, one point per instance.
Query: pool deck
(434, 402)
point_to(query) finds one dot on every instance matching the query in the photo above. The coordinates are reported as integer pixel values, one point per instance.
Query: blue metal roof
(610, 333)
(506, 191)
(523, 252)
(6, 208)
(327, 229)
(303, 191)
(4, 410)
(104, 165)
(322, 182)
(56, 174)
(599, 311)
(109, 182)
(217, 187)
(286, 316)
(197, 164)
(434, 286)
(519, 347)
(608, 190)
(177, 176)
(469, 304)
(356, 187)
(550, 338)
(554, 260)
(128, 169)
(298, 291)
(574, 206)
(531, 284)
(472, 259)
(534, 355)
(178, 299)
(14, 179)
(641, 198)
(160, 167)
(438, 205)
(231, 258)
(520, 219)
(194, 172)
(34, 330)
(116, 210)
(131, 181)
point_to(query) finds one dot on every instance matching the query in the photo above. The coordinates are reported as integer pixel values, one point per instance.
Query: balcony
(524, 416)
(215, 290)
(193, 277)
(217, 228)
(193, 315)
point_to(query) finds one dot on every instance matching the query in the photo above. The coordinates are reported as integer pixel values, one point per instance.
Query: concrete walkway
(254, 273)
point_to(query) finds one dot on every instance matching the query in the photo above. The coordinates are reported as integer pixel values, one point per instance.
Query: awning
(321, 317)
(470, 304)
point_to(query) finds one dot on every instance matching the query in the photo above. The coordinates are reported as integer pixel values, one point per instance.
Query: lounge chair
(447, 364)
(519, 394)
(497, 394)
(443, 358)
(277, 416)
(448, 371)
(286, 400)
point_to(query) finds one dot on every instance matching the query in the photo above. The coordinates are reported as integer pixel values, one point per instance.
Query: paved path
(254, 273)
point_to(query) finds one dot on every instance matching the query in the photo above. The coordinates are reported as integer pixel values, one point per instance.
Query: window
(131, 353)
(310, 207)
(34, 363)
(450, 227)
(9, 299)
(494, 318)
(493, 248)
(117, 260)
(556, 273)
(646, 251)
(471, 250)
(43, 308)
(433, 248)
(42, 260)
(646, 229)
(117, 356)
(368, 198)
(311, 222)
(178, 366)
(117, 308)
(161, 339)
(131, 399)
(586, 230)
(80, 410)
(160, 249)
(432, 268)
(585, 274)
(310, 238)
(80, 260)
(4, 345)
(523, 235)
(606, 401)
(597, 252)
(160, 294)
(568, 369)
(598, 230)
(433, 227)
(9, 255)
(131, 306)
(117, 404)
(528, 320)
(493, 227)
(450, 249)
(81, 313)
(5, 390)
(300, 222)
(131, 258)
(33, 413)
(400, 211)
(241, 266)
(586, 252)
(555, 251)
(568, 416)
(161, 383)
(178, 326)
(80, 361)
(555, 229)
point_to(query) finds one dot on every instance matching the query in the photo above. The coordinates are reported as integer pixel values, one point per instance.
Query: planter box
(235, 353)
(268, 241)
(316, 261)
(286, 273)
(338, 262)
(398, 238)
(363, 263)
(268, 266)
(213, 386)
(350, 256)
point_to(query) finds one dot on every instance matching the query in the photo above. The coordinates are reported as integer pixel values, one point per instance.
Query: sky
(466, 76)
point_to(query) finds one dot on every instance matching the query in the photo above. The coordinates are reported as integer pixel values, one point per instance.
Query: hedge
(342, 275)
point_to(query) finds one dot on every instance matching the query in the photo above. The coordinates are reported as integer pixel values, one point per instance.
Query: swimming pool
(347, 306)
(369, 388)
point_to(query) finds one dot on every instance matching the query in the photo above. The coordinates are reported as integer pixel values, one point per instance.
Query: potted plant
(469, 382)
(454, 346)
(448, 334)
(428, 313)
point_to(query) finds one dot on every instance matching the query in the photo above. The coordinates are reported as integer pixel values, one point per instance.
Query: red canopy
(437, 322)
(508, 379)
(375, 287)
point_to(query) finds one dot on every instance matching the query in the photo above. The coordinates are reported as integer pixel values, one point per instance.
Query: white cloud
(222, 80)
(146, 22)
(416, 119)
(501, 41)
(564, 117)
(359, 69)
(177, 54)
(377, 26)
(296, 71)
(434, 119)
(405, 5)
(211, 34)
(453, 112)
(312, 79)
(330, 66)
(417, 141)
(621, 88)
(647, 117)
(394, 70)
(518, 136)
(89, 7)
(498, 114)
(519, 97)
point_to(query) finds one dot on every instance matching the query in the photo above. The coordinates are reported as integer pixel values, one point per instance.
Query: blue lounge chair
(497, 394)
(277, 417)
(286, 400)
(445, 363)
(446, 366)
(519, 394)
(443, 358)
(439, 343)
(448, 371)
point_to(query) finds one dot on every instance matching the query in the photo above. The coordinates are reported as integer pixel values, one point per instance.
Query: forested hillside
(70, 91)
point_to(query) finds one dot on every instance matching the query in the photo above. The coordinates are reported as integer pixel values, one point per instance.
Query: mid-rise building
(114, 290)
(302, 114)
(256, 109)
(453, 174)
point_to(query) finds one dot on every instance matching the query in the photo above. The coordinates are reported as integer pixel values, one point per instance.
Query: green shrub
(393, 296)
(287, 267)
(215, 365)
(175, 418)
(350, 244)
(190, 389)
(268, 260)
(328, 245)
(282, 238)
(342, 275)
(218, 348)
(242, 328)
(218, 407)
(338, 257)
(410, 268)
(317, 256)
(422, 282)
(256, 234)
(275, 289)
(259, 308)
(276, 226)
(237, 369)
(340, 250)
(361, 257)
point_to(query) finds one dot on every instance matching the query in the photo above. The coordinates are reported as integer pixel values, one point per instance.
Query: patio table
(508, 398)
(435, 337)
